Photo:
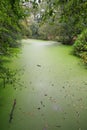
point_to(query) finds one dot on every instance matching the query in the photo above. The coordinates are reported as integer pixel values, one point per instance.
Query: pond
(53, 90)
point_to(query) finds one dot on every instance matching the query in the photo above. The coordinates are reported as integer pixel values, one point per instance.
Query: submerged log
(12, 110)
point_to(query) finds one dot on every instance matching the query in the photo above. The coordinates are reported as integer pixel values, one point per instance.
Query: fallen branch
(12, 110)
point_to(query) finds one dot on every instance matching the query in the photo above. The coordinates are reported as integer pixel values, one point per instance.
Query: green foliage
(10, 76)
(80, 46)
(34, 29)
(71, 14)
(42, 32)
(48, 31)
(9, 27)
(84, 57)
(26, 32)
(81, 42)
(11, 13)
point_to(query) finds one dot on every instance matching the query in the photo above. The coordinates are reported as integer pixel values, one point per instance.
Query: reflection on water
(41, 43)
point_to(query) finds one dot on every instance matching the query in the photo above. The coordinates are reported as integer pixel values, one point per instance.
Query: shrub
(80, 46)
(84, 57)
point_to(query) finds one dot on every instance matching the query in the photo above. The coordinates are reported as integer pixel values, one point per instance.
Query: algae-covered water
(53, 90)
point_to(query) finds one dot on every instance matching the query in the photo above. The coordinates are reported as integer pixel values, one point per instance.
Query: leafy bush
(81, 43)
(80, 46)
(84, 57)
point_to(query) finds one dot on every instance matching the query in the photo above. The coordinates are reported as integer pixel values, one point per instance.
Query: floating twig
(12, 110)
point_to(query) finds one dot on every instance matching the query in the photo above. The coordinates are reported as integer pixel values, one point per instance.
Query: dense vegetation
(80, 46)
(10, 32)
(75, 20)
(61, 20)
(67, 19)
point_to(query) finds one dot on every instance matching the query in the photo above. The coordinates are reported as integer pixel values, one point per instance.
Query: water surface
(53, 94)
